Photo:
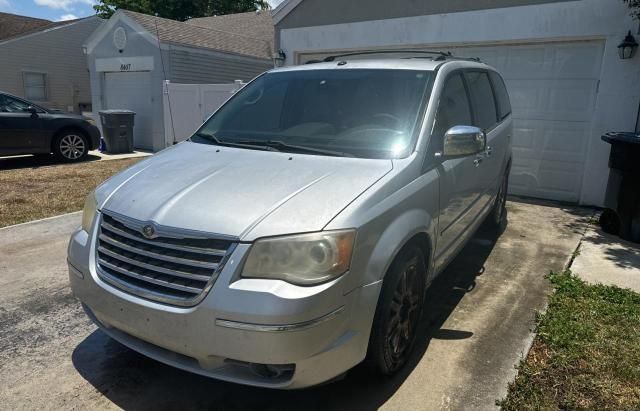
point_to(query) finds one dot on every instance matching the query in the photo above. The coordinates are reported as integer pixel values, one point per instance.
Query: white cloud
(69, 16)
(62, 4)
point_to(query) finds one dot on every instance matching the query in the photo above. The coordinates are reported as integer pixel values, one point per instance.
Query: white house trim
(118, 17)
(284, 9)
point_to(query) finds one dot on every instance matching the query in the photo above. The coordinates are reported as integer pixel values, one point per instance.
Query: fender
(414, 222)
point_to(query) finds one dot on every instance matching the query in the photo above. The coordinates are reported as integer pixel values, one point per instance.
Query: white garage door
(132, 91)
(553, 90)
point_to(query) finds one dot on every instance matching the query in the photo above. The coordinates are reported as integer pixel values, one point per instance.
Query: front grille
(173, 266)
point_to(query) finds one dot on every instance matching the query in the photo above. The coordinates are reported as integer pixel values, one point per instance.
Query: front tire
(71, 146)
(399, 312)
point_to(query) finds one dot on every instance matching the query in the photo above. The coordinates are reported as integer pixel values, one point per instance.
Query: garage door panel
(548, 158)
(566, 100)
(527, 62)
(550, 140)
(575, 60)
(546, 179)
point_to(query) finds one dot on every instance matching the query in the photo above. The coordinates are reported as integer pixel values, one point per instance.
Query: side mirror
(460, 141)
(32, 110)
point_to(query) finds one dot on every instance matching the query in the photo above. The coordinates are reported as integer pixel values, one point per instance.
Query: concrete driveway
(479, 323)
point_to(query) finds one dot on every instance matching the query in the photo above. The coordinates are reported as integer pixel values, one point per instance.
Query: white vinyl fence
(187, 106)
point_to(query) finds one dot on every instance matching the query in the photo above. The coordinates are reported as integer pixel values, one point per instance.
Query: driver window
(453, 110)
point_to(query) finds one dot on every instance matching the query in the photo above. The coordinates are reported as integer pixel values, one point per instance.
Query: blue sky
(57, 9)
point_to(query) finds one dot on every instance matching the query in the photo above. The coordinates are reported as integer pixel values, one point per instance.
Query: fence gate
(187, 106)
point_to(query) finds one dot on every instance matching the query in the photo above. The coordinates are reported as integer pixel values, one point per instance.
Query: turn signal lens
(89, 211)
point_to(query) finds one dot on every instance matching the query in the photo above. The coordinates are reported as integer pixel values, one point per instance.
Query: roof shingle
(12, 25)
(176, 32)
(256, 24)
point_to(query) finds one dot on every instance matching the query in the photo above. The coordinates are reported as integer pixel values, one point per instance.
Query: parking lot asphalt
(478, 326)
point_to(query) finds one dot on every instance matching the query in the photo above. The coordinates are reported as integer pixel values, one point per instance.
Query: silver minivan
(296, 232)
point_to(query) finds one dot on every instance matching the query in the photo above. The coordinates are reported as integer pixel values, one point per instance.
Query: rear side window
(484, 105)
(453, 109)
(502, 97)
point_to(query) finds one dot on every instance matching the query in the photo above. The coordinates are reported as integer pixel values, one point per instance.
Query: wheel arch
(412, 227)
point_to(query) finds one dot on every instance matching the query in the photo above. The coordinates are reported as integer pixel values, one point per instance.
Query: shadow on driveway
(132, 381)
(34, 161)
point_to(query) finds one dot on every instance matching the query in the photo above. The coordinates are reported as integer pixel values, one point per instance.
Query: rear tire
(71, 146)
(498, 216)
(399, 312)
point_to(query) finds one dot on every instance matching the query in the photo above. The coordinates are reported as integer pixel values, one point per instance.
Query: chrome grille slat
(198, 250)
(134, 289)
(177, 260)
(152, 267)
(151, 280)
(176, 267)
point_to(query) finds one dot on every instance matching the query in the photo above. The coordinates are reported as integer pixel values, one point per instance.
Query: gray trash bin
(117, 130)
(622, 200)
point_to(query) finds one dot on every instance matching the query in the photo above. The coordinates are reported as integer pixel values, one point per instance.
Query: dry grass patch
(32, 193)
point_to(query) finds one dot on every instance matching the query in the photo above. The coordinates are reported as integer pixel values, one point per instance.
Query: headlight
(89, 211)
(306, 259)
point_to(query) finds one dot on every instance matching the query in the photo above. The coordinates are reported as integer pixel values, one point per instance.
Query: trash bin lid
(117, 111)
(621, 137)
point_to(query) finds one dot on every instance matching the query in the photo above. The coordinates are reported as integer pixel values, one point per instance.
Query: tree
(179, 9)
(634, 5)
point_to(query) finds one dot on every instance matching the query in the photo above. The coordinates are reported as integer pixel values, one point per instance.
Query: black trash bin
(117, 130)
(622, 200)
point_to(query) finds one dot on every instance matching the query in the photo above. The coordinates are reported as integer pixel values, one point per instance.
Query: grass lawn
(586, 354)
(33, 193)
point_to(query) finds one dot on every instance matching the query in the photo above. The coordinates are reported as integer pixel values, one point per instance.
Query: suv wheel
(71, 146)
(498, 215)
(399, 312)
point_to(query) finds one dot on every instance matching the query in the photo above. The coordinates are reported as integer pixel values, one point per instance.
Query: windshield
(369, 113)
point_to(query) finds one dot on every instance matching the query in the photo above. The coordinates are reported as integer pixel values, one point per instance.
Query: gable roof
(256, 24)
(180, 33)
(53, 25)
(12, 25)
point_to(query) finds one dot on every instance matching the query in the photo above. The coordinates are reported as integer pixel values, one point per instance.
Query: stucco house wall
(56, 52)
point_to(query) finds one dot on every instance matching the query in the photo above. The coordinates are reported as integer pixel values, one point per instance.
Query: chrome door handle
(477, 161)
(489, 150)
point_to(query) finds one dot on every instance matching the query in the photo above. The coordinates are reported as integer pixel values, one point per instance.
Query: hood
(239, 192)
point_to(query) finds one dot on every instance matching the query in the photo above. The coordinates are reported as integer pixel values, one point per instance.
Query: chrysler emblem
(149, 231)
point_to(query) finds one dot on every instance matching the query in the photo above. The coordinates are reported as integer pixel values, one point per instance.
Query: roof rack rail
(441, 54)
(450, 57)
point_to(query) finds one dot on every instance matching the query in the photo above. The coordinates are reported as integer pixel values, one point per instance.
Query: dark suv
(26, 128)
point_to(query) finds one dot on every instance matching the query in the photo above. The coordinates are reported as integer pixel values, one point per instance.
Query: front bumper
(241, 326)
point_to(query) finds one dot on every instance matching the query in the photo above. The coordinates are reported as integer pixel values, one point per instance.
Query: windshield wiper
(241, 144)
(282, 146)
